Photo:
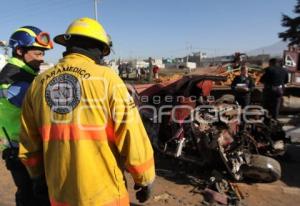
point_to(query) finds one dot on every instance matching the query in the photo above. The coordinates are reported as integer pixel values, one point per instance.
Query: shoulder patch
(63, 93)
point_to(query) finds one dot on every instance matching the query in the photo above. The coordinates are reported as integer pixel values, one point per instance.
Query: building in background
(3, 57)
(2, 61)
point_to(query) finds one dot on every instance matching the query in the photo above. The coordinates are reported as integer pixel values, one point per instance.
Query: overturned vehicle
(186, 123)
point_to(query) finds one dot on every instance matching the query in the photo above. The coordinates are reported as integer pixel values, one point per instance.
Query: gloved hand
(40, 191)
(143, 193)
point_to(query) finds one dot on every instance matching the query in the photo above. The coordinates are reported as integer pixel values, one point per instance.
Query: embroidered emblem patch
(63, 93)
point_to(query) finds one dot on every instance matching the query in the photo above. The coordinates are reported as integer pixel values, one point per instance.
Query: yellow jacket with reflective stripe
(80, 126)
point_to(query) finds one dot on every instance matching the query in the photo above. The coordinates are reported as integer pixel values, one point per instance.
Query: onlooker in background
(242, 87)
(274, 79)
(155, 70)
(128, 70)
(138, 73)
(121, 70)
(143, 73)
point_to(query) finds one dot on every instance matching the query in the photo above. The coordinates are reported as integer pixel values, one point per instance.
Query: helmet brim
(60, 39)
(63, 38)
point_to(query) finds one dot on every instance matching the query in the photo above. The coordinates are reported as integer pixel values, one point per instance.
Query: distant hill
(275, 49)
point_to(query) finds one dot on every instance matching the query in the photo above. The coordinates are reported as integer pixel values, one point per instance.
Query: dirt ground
(175, 188)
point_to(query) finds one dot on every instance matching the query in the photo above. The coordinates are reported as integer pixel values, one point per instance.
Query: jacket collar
(77, 56)
(93, 53)
(22, 65)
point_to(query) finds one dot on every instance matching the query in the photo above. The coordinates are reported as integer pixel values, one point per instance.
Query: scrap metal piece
(179, 147)
(216, 196)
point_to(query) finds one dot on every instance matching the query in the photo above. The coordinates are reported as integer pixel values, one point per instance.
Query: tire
(262, 169)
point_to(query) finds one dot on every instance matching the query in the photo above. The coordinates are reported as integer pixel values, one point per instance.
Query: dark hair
(85, 43)
(25, 50)
(87, 46)
(273, 61)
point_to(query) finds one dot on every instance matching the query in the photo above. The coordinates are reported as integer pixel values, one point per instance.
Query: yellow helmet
(89, 28)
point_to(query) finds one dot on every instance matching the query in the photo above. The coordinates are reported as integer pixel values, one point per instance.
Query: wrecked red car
(185, 122)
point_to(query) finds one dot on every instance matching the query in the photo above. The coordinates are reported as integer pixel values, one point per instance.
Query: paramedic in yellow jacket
(80, 127)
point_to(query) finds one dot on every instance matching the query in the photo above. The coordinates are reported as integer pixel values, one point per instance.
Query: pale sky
(157, 28)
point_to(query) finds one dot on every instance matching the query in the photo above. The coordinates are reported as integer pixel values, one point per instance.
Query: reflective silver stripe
(3, 93)
(277, 87)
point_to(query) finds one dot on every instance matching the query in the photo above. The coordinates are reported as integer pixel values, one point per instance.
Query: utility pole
(200, 58)
(150, 70)
(189, 49)
(215, 54)
(96, 9)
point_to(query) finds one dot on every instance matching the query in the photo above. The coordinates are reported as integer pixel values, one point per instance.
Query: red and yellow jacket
(80, 127)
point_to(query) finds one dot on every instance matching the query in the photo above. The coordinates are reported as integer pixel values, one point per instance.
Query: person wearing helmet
(81, 127)
(28, 45)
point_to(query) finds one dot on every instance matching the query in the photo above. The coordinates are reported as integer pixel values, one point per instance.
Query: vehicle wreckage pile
(186, 123)
(255, 72)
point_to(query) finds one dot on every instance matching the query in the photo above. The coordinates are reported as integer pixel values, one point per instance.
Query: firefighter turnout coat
(80, 127)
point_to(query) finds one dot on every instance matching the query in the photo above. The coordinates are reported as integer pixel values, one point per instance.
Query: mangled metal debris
(188, 124)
